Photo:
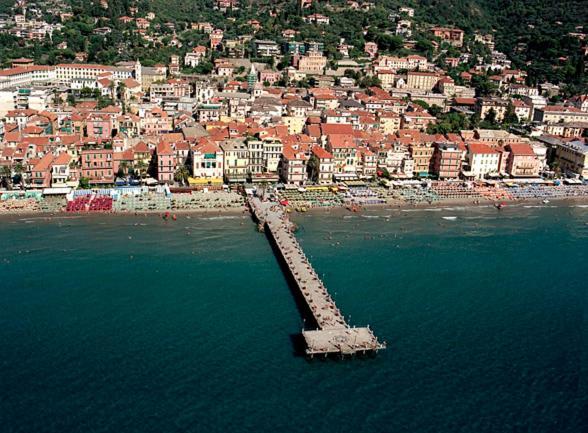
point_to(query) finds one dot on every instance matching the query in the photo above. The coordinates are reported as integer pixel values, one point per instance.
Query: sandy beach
(243, 210)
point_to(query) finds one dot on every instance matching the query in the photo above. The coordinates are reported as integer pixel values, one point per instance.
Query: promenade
(334, 335)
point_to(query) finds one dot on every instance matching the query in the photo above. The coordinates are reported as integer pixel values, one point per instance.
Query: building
(573, 129)
(482, 160)
(60, 170)
(447, 160)
(325, 165)
(317, 19)
(292, 169)
(367, 163)
(485, 106)
(208, 161)
(572, 157)
(97, 165)
(314, 63)
(236, 160)
(389, 122)
(559, 113)
(165, 162)
(452, 35)
(264, 155)
(26, 76)
(371, 49)
(41, 172)
(193, 58)
(344, 152)
(421, 80)
(422, 155)
(216, 38)
(265, 48)
(522, 110)
(522, 160)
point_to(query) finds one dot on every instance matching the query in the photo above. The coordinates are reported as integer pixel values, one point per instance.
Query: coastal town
(418, 114)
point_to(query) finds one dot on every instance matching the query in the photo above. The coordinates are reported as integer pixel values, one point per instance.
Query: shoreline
(449, 203)
(244, 211)
(144, 213)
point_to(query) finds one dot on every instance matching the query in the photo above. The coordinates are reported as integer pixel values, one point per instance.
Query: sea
(137, 324)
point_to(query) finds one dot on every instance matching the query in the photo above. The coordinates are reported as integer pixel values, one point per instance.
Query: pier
(333, 335)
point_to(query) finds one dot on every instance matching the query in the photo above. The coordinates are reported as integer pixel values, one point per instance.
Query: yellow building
(295, 124)
(314, 63)
(421, 80)
(389, 122)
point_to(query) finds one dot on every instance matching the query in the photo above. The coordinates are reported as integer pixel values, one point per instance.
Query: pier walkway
(334, 335)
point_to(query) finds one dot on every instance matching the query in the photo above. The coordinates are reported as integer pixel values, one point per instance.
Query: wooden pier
(334, 335)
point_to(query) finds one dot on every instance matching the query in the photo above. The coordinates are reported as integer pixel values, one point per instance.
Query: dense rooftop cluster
(414, 101)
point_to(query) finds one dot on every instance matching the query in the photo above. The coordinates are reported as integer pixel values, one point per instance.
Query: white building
(207, 161)
(483, 160)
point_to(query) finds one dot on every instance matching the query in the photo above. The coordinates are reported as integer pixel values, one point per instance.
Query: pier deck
(334, 335)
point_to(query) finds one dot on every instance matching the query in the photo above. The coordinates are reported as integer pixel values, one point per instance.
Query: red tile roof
(321, 153)
(520, 149)
(480, 148)
(335, 128)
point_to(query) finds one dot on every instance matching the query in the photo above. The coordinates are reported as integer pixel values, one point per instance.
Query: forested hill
(534, 33)
(5, 6)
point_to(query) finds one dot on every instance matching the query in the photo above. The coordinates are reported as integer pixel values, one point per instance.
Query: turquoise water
(132, 324)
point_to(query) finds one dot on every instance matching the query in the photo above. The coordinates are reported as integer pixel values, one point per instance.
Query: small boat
(545, 201)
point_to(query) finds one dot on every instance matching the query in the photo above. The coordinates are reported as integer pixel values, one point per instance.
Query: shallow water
(133, 324)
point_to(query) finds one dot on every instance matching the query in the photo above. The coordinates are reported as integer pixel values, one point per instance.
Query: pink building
(97, 165)
(293, 166)
(156, 121)
(371, 49)
(41, 172)
(99, 126)
(166, 163)
(522, 161)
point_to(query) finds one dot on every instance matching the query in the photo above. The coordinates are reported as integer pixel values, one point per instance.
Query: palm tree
(6, 175)
(56, 98)
(18, 170)
(124, 165)
(181, 175)
(312, 168)
(120, 92)
(141, 167)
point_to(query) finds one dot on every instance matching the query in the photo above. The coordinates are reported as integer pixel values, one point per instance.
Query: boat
(545, 201)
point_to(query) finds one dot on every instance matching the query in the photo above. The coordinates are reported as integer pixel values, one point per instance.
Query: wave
(220, 218)
(449, 218)
(45, 218)
(458, 208)
(432, 209)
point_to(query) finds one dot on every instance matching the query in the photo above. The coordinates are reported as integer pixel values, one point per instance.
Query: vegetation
(536, 34)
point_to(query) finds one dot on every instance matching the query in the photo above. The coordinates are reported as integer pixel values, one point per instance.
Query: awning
(205, 181)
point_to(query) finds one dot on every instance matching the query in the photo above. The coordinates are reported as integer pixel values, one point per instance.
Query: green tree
(510, 116)
(181, 175)
(6, 175)
(312, 168)
(84, 182)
